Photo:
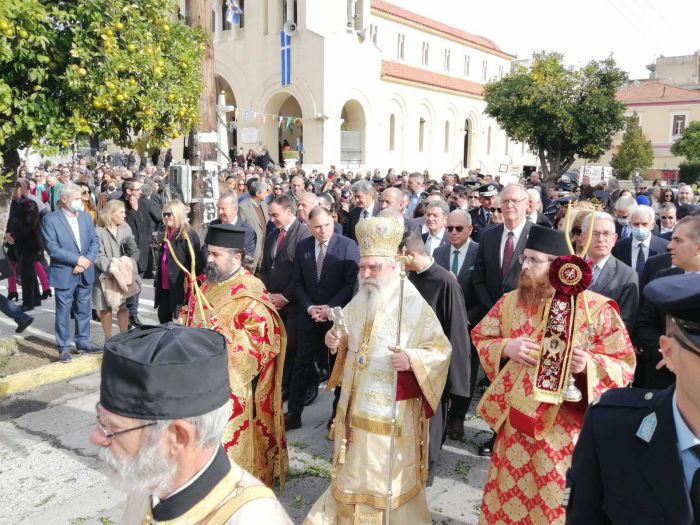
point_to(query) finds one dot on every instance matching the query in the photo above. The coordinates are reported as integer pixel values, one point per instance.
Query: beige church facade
(370, 85)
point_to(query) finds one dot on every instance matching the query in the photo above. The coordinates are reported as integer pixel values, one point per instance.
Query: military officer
(636, 460)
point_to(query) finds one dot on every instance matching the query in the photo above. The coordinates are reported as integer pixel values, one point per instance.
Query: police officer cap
(225, 236)
(488, 190)
(600, 197)
(164, 372)
(679, 297)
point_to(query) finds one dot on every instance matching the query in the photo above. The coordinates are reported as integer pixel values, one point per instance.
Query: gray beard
(149, 471)
(368, 295)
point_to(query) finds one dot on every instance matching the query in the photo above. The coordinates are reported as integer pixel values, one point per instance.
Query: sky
(635, 32)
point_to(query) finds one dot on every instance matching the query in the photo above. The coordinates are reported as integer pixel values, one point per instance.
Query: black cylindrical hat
(164, 372)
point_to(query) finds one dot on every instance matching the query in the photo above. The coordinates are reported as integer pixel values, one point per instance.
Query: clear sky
(633, 31)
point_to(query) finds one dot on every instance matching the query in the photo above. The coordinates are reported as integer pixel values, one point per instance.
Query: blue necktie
(639, 267)
(626, 231)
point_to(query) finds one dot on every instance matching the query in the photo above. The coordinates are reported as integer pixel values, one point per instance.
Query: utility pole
(199, 13)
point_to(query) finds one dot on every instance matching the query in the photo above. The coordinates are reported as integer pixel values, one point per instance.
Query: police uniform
(627, 466)
(480, 216)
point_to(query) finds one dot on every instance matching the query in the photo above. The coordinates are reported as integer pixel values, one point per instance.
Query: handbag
(5, 267)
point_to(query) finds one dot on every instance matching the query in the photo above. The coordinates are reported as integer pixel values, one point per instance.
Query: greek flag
(286, 54)
(233, 12)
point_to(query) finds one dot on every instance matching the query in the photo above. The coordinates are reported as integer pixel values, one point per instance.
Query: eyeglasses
(455, 229)
(86, 192)
(512, 202)
(530, 260)
(495, 210)
(667, 217)
(167, 214)
(603, 235)
(277, 188)
(110, 435)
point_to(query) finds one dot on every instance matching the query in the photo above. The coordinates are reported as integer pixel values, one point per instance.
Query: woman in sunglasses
(179, 243)
(85, 195)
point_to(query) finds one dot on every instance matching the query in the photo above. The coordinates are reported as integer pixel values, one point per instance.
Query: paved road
(49, 473)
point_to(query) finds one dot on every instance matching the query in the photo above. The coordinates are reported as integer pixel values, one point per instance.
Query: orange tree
(117, 69)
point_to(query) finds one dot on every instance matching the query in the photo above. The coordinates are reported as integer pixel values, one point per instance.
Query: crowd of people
(288, 251)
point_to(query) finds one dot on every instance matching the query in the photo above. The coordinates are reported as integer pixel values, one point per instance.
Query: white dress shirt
(74, 226)
(317, 247)
(286, 231)
(433, 241)
(517, 231)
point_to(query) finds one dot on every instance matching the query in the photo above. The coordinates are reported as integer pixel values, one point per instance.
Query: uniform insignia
(647, 427)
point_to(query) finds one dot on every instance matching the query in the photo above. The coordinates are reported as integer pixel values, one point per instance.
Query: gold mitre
(379, 236)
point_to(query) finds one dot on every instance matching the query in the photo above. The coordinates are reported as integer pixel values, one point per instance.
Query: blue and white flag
(286, 53)
(233, 12)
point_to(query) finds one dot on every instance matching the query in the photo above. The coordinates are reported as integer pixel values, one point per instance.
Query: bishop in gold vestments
(236, 305)
(535, 440)
(365, 364)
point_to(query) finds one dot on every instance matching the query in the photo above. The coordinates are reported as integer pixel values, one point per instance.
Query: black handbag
(5, 268)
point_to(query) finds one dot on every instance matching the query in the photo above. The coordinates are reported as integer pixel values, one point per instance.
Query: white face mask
(77, 205)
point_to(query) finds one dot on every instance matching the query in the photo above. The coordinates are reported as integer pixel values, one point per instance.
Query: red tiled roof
(415, 18)
(655, 91)
(399, 71)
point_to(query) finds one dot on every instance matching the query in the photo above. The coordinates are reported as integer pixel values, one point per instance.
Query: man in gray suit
(611, 277)
(254, 212)
(458, 257)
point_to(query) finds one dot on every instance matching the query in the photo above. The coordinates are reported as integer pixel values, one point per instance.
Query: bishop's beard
(534, 290)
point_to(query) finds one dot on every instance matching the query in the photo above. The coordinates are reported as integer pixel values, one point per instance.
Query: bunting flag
(245, 116)
(289, 122)
(280, 119)
(251, 117)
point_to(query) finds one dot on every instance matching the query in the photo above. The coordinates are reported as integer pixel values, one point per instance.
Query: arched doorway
(285, 126)
(230, 100)
(352, 135)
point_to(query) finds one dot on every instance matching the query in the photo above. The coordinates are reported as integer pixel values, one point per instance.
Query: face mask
(39, 188)
(640, 233)
(622, 221)
(77, 205)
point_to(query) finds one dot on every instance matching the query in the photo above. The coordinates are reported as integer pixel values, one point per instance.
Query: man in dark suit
(634, 461)
(436, 213)
(276, 273)
(326, 201)
(534, 209)
(366, 204)
(654, 265)
(622, 209)
(482, 214)
(227, 213)
(651, 322)
(641, 244)
(497, 267)
(325, 273)
(611, 277)
(667, 219)
(459, 257)
(72, 243)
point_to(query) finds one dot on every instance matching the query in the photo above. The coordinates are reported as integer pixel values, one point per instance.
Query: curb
(36, 377)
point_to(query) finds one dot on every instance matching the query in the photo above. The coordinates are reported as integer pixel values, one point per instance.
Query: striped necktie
(319, 260)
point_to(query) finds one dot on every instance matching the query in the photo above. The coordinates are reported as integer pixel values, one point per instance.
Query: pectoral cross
(340, 325)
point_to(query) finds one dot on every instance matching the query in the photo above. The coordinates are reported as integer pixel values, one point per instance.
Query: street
(50, 474)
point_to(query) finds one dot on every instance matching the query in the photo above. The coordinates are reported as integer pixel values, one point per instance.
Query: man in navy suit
(227, 213)
(635, 459)
(436, 213)
(366, 204)
(651, 322)
(325, 273)
(72, 243)
(459, 257)
(641, 244)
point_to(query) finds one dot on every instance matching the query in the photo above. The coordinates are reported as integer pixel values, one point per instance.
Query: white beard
(149, 471)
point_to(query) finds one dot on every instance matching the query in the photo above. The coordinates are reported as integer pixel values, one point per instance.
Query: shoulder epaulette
(627, 397)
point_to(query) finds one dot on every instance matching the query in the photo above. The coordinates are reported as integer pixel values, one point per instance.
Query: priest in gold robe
(368, 359)
(234, 302)
(529, 344)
